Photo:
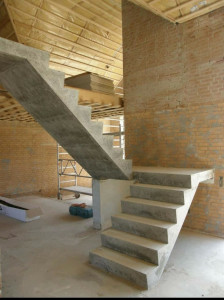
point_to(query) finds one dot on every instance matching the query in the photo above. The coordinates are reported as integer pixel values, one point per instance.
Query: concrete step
(69, 98)
(177, 177)
(135, 270)
(117, 153)
(83, 114)
(149, 208)
(145, 227)
(159, 193)
(54, 78)
(96, 128)
(107, 142)
(133, 245)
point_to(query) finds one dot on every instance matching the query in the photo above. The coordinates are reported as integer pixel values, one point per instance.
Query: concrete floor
(49, 258)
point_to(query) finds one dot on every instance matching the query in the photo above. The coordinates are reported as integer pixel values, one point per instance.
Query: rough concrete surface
(49, 258)
(55, 108)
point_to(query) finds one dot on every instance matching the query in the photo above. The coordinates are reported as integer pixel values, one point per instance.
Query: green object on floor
(86, 212)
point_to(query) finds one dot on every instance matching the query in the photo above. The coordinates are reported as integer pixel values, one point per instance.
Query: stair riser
(157, 194)
(118, 270)
(134, 250)
(150, 211)
(163, 179)
(144, 230)
(54, 78)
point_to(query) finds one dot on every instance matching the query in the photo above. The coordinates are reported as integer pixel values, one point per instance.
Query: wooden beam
(183, 5)
(96, 15)
(69, 51)
(201, 11)
(93, 4)
(178, 3)
(93, 97)
(11, 19)
(61, 39)
(149, 6)
(9, 107)
(83, 18)
(112, 8)
(150, 2)
(62, 30)
(41, 9)
(71, 69)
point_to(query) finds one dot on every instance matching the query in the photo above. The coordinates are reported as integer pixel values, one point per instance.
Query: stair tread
(134, 239)
(164, 170)
(152, 202)
(161, 187)
(125, 260)
(143, 220)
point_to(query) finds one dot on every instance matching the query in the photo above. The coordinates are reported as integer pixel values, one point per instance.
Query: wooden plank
(95, 97)
(61, 29)
(9, 107)
(202, 11)
(11, 19)
(183, 5)
(85, 19)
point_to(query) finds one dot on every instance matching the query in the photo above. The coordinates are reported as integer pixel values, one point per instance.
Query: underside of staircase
(25, 74)
(139, 243)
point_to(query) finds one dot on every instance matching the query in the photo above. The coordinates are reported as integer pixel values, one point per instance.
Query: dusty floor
(49, 258)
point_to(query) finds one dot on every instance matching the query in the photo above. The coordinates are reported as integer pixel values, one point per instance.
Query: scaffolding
(67, 167)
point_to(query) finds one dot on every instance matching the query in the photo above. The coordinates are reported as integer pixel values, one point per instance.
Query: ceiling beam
(112, 8)
(94, 14)
(84, 18)
(67, 52)
(41, 9)
(60, 38)
(149, 6)
(58, 27)
(93, 4)
(11, 19)
(201, 11)
(183, 5)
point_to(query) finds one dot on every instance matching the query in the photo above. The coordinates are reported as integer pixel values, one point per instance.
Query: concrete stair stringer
(25, 74)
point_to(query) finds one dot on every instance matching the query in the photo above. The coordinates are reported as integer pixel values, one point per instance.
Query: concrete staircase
(141, 239)
(24, 73)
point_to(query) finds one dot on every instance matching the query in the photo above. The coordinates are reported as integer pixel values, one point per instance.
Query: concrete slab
(49, 258)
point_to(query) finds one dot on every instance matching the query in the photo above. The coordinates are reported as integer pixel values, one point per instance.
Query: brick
(173, 79)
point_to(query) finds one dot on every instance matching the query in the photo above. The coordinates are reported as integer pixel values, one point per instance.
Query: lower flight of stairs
(141, 239)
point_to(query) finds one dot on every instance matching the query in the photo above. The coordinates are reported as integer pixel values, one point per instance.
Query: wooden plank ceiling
(81, 35)
(179, 11)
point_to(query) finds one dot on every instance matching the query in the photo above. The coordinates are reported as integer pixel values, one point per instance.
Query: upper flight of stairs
(141, 239)
(25, 74)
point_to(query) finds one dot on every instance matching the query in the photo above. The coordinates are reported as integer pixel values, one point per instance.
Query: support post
(107, 196)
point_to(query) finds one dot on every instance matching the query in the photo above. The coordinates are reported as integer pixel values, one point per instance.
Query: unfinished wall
(28, 160)
(174, 108)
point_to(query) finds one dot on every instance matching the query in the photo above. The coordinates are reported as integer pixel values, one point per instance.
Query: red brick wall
(174, 101)
(28, 160)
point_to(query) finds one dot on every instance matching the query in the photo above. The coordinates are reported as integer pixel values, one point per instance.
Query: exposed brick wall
(174, 101)
(28, 160)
